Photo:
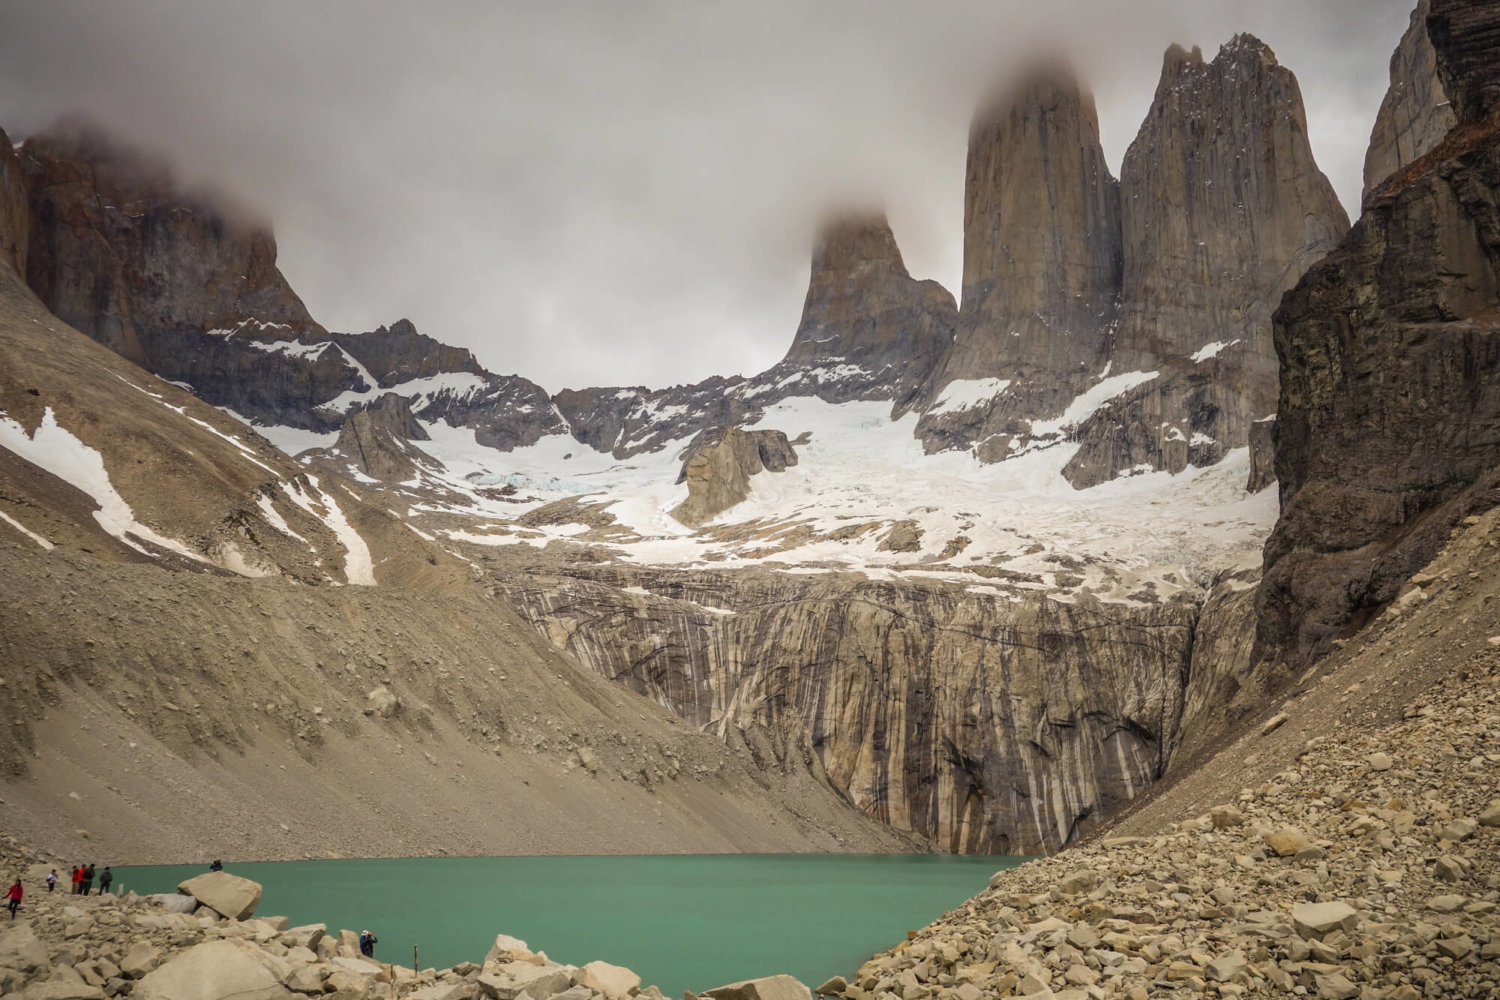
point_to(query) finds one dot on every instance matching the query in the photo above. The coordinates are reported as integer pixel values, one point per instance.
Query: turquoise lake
(680, 921)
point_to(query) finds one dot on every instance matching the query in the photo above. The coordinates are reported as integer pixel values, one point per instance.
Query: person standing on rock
(77, 879)
(367, 944)
(14, 898)
(105, 878)
(217, 866)
(52, 880)
(88, 879)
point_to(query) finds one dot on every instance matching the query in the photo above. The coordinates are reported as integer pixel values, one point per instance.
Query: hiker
(77, 879)
(105, 879)
(15, 894)
(52, 880)
(367, 944)
(88, 879)
(217, 866)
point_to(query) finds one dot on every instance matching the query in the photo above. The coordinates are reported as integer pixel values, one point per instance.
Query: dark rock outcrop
(1262, 455)
(1042, 265)
(1388, 427)
(718, 472)
(865, 311)
(1224, 208)
(1415, 114)
(119, 252)
(376, 439)
(15, 214)
(398, 353)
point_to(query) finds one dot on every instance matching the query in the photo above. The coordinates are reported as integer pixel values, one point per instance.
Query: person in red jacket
(77, 879)
(14, 897)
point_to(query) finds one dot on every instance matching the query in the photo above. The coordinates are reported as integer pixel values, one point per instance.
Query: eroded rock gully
(988, 722)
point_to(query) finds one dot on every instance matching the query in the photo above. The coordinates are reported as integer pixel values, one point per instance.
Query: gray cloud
(619, 192)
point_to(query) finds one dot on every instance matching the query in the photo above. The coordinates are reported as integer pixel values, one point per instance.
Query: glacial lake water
(680, 921)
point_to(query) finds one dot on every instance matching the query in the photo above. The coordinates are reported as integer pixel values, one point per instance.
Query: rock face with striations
(1388, 426)
(1042, 266)
(987, 725)
(1223, 209)
(864, 311)
(398, 353)
(718, 472)
(1415, 114)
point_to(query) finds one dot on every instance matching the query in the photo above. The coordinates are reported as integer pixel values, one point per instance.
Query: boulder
(305, 936)
(1313, 920)
(226, 894)
(21, 949)
(504, 946)
(142, 957)
(836, 985)
(381, 702)
(442, 991)
(1286, 842)
(174, 902)
(1491, 815)
(61, 989)
(214, 970)
(767, 988)
(614, 981)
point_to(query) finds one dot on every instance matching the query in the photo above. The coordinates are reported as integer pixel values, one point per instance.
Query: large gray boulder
(226, 894)
(216, 970)
(766, 988)
(21, 949)
(613, 981)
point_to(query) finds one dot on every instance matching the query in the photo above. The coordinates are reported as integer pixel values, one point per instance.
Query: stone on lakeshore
(211, 971)
(304, 979)
(580, 993)
(306, 936)
(358, 966)
(512, 979)
(1447, 904)
(550, 982)
(1447, 869)
(1334, 986)
(442, 991)
(226, 894)
(1286, 842)
(347, 984)
(142, 957)
(614, 981)
(1459, 829)
(1079, 881)
(21, 949)
(174, 902)
(348, 944)
(1491, 815)
(1226, 967)
(1455, 948)
(767, 988)
(1380, 761)
(1225, 817)
(837, 984)
(61, 989)
(1318, 919)
(1274, 723)
(1083, 937)
(504, 946)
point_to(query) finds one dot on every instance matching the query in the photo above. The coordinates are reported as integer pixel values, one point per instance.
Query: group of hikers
(83, 879)
(83, 884)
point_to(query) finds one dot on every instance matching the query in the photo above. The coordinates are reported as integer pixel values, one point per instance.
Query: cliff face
(1223, 208)
(1041, 265)
(1415, 114)
(118, 253)
(15, 214)
(986, 725)
(863, 309)
(1388, 425)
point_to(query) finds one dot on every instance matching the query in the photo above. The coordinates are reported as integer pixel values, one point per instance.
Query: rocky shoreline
(1370, 869)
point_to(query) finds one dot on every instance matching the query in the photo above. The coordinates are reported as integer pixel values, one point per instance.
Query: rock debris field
(1370, 869)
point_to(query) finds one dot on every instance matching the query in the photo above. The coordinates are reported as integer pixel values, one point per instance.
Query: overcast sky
(619, 192)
